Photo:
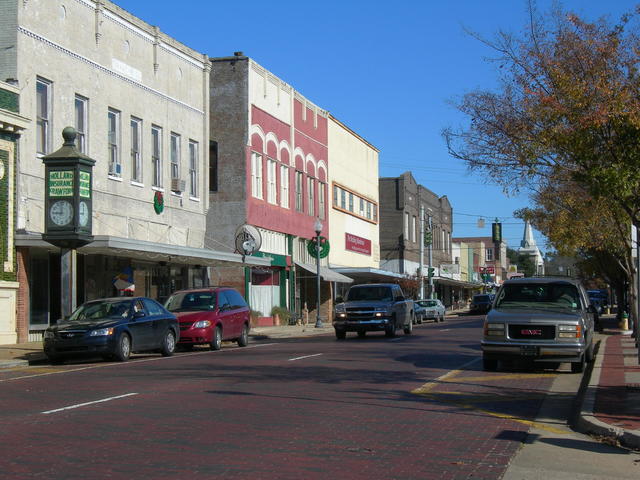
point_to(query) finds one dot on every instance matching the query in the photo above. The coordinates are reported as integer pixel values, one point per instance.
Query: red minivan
(210, 315)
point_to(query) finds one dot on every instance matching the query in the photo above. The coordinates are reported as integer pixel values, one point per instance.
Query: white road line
(396, 339)
(88, 403)
(306, 356)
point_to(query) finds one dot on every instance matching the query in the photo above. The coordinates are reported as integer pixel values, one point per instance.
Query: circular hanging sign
(248, 240)
(324, 247)
(158, 202)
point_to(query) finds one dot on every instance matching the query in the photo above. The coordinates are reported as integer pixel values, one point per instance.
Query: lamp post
(318, 229)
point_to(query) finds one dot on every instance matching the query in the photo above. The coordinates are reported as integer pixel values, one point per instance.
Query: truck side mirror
(339, 300)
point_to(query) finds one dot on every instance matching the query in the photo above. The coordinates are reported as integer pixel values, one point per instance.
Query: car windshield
(382, 294)
(191, 302)
(561, 296)
(427, 303)
(481, 298)
(95, 312)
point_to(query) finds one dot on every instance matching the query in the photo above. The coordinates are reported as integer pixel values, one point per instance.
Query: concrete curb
(588, 423)
(13, 363)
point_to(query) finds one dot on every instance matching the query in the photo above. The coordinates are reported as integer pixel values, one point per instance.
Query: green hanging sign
(324, 247)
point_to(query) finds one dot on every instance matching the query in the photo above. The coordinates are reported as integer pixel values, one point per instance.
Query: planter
(265, 322)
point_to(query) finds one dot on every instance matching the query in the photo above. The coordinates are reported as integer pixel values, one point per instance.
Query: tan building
(140, 103)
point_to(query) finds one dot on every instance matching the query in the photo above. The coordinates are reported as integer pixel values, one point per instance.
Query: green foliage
(524, 262)
(281, 312)
(254, 314)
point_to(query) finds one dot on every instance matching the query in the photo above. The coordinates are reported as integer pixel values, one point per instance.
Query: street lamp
(318, 229)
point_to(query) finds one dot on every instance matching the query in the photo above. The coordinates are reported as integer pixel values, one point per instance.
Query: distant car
(113, 328)
(481, 303)
(210, 316)
(432, 309)
(418, 312)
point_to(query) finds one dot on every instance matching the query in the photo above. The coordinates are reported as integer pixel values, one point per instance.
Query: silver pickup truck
(373, 307)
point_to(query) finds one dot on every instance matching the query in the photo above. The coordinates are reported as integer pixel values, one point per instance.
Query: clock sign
(61, 212)
(68, 195)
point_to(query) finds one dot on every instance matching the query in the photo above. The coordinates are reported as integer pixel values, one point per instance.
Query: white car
(433, 309)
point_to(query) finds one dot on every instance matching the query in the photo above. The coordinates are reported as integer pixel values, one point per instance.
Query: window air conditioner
(177, 185)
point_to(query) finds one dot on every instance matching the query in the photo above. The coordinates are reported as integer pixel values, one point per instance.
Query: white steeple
(528, 241)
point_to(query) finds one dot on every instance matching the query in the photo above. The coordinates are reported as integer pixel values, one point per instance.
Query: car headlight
(48, 334)
(569, 331)
(202, 324)
(340, 308)
(101, 332)
(494, 329)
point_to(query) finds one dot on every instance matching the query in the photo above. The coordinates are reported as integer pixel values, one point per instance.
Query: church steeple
(527, 240)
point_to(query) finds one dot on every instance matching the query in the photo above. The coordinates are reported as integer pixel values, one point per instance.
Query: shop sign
(357, 244)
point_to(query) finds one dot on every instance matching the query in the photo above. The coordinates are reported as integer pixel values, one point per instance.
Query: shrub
(282, 313)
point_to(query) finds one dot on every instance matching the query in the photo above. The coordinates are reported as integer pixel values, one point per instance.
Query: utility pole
(421, 269)
(430, 260)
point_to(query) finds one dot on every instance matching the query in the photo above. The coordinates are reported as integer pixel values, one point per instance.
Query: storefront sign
(357, 244)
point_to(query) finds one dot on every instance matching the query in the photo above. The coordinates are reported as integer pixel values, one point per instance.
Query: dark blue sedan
(113, 328)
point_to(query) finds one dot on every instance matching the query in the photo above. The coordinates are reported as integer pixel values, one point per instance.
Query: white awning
(150, 251)
(325, 273)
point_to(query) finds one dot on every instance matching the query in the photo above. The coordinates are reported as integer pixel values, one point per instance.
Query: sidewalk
(611, 404)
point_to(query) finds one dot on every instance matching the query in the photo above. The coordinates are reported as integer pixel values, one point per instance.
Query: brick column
(22, 318)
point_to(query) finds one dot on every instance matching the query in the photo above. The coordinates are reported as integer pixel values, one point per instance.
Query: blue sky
(388, 70)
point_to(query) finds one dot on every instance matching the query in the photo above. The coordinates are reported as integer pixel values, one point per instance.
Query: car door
(140, 326)
(401, 307)
(239, 311)
(158, 320)
(225, 314)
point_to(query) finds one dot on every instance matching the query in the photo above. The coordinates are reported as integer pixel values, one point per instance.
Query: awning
(369, 274)
(148, 251)
(456, 283)
(325, 273)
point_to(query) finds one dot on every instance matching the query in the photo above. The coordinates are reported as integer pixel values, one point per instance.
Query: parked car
(373, 307)
(542, 320)
(210, 316)
(432, 309)
(113, 328)
(481, 303)
(418, 312)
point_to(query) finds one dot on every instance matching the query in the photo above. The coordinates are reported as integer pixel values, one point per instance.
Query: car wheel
(408, 329)
(489, 364)
(362, 333)
(578, 367)
(390, 330)
(243, 341)
(216, 343)
(341, 334)
(123, 348)
(168, 344)
(420, 320)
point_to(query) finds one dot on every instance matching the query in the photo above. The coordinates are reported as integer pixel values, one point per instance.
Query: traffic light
(431, 271)
(428, 237)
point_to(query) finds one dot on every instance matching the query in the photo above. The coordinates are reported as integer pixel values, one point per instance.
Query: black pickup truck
(373, 307)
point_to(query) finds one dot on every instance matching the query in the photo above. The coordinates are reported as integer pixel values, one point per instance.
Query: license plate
(529, 350)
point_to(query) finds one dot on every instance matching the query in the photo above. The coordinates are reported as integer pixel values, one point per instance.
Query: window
(406, 226)
(343, 198)
(354, 204)
(368, 209)
(175, 155)
(335, 195)
(299, 178)
(284, 186)
(256, 175)
(81, 107)
(413, 228)
(350, 202)
(362, 202)
(156, 155)
(193, 168)
(43, 115)
(213, 166)
(113, 121)
(136, 141)
(489, 254)
(271, 181)
(311, 196)
(322, 193)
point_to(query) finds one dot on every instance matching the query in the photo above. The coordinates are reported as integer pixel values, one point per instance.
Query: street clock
(68, 195)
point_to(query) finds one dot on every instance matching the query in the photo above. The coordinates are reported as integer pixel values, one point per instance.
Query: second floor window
(284, 186)
(322, 192)
(256, 175)
(43, 115)
(489, 254)
(311, 196)
(156, 155)
(299, 178)
(136, 144)
(271, 181)
(81, 107)
(193, 168)
(113, 122)
(175, 155)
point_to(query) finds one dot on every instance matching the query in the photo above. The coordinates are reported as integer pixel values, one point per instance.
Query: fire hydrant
(624, 322)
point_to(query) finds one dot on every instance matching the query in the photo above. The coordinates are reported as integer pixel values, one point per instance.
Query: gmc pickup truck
(373, 307)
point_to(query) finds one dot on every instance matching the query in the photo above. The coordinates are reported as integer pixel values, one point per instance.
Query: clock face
(61, 212)
(83, 214)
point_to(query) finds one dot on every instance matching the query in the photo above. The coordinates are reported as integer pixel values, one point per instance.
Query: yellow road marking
(517, 376)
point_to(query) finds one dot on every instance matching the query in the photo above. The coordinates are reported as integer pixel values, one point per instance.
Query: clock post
(68, 209)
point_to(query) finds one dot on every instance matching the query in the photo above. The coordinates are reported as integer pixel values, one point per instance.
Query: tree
(524, 262)
(566, 119)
